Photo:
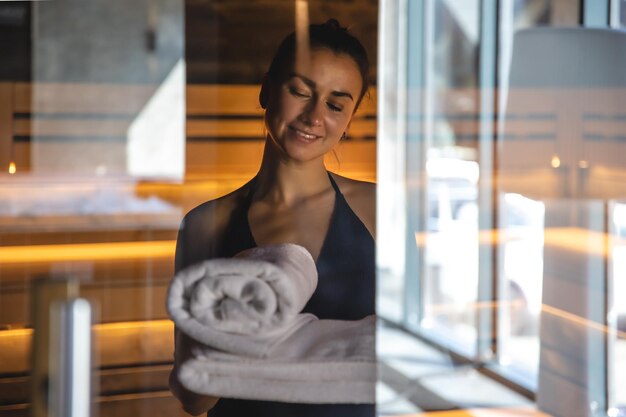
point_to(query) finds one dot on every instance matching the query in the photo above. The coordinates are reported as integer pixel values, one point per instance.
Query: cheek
(283, 109)
(339, 125)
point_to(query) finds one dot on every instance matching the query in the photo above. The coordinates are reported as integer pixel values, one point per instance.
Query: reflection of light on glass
(453, 168)
(556, 161)
(583, 164)
(12, 168)
(428, 323)
(156, 138)
(613, 412)
(302, 35)
(578, 320)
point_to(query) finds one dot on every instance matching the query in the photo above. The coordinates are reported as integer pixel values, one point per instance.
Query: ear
(264, 94)
(345, 132)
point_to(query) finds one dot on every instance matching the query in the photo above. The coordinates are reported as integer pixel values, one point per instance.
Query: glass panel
(531, 114)
(88, 205)
(391, 199)
(117, 118)
(521, 223)
(621, 13)
(450, 243)
(617, 274)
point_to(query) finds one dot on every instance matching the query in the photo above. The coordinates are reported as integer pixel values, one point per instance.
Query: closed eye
(298, 93)
(334, 108)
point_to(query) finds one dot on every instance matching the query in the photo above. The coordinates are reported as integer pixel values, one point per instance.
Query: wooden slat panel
(254, 128)
(225, 128)
(360, 128)
(368, 104)
(243, 99)
(21, 155)
(207, 100)
(121, 99)
(152, 404)
(241, 159)
(195, 128)
(121, 381)
(81, 98)
(223, 99)
(116, 344)
(71, 128)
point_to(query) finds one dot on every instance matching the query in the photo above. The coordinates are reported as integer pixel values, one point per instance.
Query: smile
(303, 135)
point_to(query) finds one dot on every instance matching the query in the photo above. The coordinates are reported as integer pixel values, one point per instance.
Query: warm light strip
(579, 320)
(135, 325)
(87, 251)
(442, 309)
(148, 325)
(570, 238)
(484, 412)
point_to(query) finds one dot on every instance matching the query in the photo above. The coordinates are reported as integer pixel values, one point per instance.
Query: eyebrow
(312, 84)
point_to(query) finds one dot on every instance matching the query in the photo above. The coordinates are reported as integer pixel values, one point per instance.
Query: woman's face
(308, 112)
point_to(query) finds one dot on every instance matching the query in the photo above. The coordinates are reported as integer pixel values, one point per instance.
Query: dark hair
(328, 35)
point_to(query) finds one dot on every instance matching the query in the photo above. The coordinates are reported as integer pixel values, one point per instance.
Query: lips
(303, 135)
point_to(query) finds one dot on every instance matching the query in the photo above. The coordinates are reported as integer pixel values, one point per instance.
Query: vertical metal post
(70, 393)
(415, 158)
(487, 285)
(45, 293)
(61, 369)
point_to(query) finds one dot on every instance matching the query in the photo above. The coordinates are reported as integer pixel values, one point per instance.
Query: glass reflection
(531, 114)
(451, 138)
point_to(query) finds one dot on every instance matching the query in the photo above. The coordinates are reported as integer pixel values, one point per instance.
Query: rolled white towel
(246, 304)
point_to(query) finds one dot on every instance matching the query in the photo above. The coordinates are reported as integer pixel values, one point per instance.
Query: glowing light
(575, 239)
(12, 168)
(556, 161)
(583, 164)
(87, 251)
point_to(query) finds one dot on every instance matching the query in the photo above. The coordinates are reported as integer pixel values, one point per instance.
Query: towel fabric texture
(251, 340)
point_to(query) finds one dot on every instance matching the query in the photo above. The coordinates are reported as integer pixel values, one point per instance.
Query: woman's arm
(189, 246)
(194, 404)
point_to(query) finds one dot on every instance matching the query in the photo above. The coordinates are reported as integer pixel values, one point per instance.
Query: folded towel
(253, 344)
(324, 361)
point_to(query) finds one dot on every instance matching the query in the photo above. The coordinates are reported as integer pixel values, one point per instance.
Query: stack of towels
(252, 342)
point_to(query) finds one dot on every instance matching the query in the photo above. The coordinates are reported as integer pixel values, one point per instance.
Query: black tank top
(345, 291)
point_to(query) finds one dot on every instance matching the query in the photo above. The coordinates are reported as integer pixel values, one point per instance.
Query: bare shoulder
(202, 228)
(361, 197)
(212, 214)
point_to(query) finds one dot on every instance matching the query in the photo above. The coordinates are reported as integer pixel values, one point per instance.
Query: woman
(293, 198)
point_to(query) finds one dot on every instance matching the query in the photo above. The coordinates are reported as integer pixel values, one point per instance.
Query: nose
(312, 113)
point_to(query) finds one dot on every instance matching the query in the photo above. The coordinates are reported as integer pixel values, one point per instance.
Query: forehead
(329, 70)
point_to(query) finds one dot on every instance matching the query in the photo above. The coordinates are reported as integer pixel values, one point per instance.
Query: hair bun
(334, 24)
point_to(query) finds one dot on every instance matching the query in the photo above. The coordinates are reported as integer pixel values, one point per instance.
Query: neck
(286, 182)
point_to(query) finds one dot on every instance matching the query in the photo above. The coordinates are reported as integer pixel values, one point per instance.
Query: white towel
(247, 304)
(324, 361)
(253, 344)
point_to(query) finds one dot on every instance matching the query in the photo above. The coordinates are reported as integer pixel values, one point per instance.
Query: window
(513, 230)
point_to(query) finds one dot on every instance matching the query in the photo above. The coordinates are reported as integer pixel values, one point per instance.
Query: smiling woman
(309, 113)
(309, 97)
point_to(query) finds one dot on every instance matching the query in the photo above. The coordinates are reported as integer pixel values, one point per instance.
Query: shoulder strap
(334, 184)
